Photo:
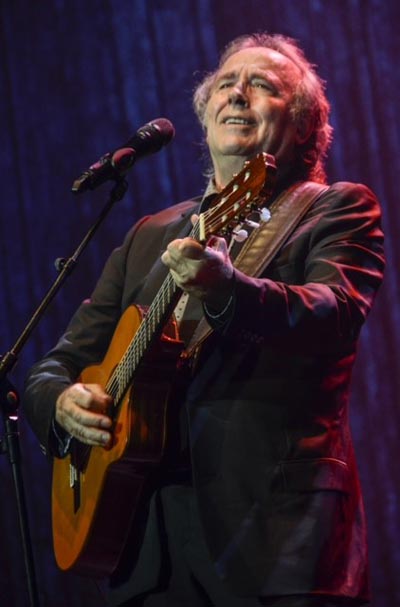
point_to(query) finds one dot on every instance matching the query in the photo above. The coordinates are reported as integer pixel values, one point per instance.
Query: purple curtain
(77, 79)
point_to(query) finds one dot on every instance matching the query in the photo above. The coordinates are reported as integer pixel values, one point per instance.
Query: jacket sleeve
(331, 269)
(84, 343)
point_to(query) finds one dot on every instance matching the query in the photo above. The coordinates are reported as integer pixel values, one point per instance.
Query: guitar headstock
(247, 191)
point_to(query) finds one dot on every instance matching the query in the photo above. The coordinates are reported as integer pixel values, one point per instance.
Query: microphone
(149, 139)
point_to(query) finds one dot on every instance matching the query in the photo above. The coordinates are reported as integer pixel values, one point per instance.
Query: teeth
(236, 121)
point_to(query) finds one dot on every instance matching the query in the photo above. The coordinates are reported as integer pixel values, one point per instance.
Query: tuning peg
(251, 224)
(265, 215)
(240, 235)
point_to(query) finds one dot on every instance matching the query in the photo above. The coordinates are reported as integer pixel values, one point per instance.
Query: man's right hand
(81, 410)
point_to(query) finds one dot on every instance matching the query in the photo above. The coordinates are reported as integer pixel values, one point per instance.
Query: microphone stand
(9, 399)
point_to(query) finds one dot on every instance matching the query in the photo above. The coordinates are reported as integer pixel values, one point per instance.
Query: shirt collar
(210, 193)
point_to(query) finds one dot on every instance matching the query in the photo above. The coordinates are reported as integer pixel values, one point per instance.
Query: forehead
(264, 60)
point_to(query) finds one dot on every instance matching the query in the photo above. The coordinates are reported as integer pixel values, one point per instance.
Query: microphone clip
(101, 166)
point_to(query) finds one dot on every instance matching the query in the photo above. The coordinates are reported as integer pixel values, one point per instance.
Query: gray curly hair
(309, 103)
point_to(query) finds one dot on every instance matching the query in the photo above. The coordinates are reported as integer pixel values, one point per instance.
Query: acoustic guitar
(98, 493)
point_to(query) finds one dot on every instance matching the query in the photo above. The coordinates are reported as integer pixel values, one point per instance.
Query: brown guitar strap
(264, 242)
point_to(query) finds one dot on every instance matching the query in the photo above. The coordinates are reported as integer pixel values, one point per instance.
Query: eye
(261, 84)
(224, 84)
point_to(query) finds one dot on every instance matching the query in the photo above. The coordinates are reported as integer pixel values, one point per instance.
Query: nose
(237, 95)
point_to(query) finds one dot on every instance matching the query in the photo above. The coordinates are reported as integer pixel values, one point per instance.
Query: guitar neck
(149, 330)
(244, 193)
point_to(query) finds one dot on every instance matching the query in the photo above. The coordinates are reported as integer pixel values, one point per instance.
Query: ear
(204, 122)
(205, 129)
(305, 128)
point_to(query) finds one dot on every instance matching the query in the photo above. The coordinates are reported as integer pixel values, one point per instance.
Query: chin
(240, 149)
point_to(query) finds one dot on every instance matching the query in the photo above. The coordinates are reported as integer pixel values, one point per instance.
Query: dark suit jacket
(272, 456)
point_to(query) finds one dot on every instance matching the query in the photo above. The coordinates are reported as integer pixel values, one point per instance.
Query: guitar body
(97, 492)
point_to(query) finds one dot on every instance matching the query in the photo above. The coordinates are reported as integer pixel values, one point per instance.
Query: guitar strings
(163, 303)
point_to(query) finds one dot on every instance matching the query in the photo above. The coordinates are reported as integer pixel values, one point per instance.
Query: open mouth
(238, 121)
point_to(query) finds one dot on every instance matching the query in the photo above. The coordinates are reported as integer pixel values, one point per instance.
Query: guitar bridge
(75, 485)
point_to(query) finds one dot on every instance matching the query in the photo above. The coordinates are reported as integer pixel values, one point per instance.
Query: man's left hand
(204, 272)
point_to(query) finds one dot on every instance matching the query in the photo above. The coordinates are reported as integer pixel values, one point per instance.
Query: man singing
(263, 505)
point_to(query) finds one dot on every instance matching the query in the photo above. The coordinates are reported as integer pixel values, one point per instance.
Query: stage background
(76, 80)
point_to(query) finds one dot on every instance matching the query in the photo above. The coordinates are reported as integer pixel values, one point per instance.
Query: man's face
(248, 109)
